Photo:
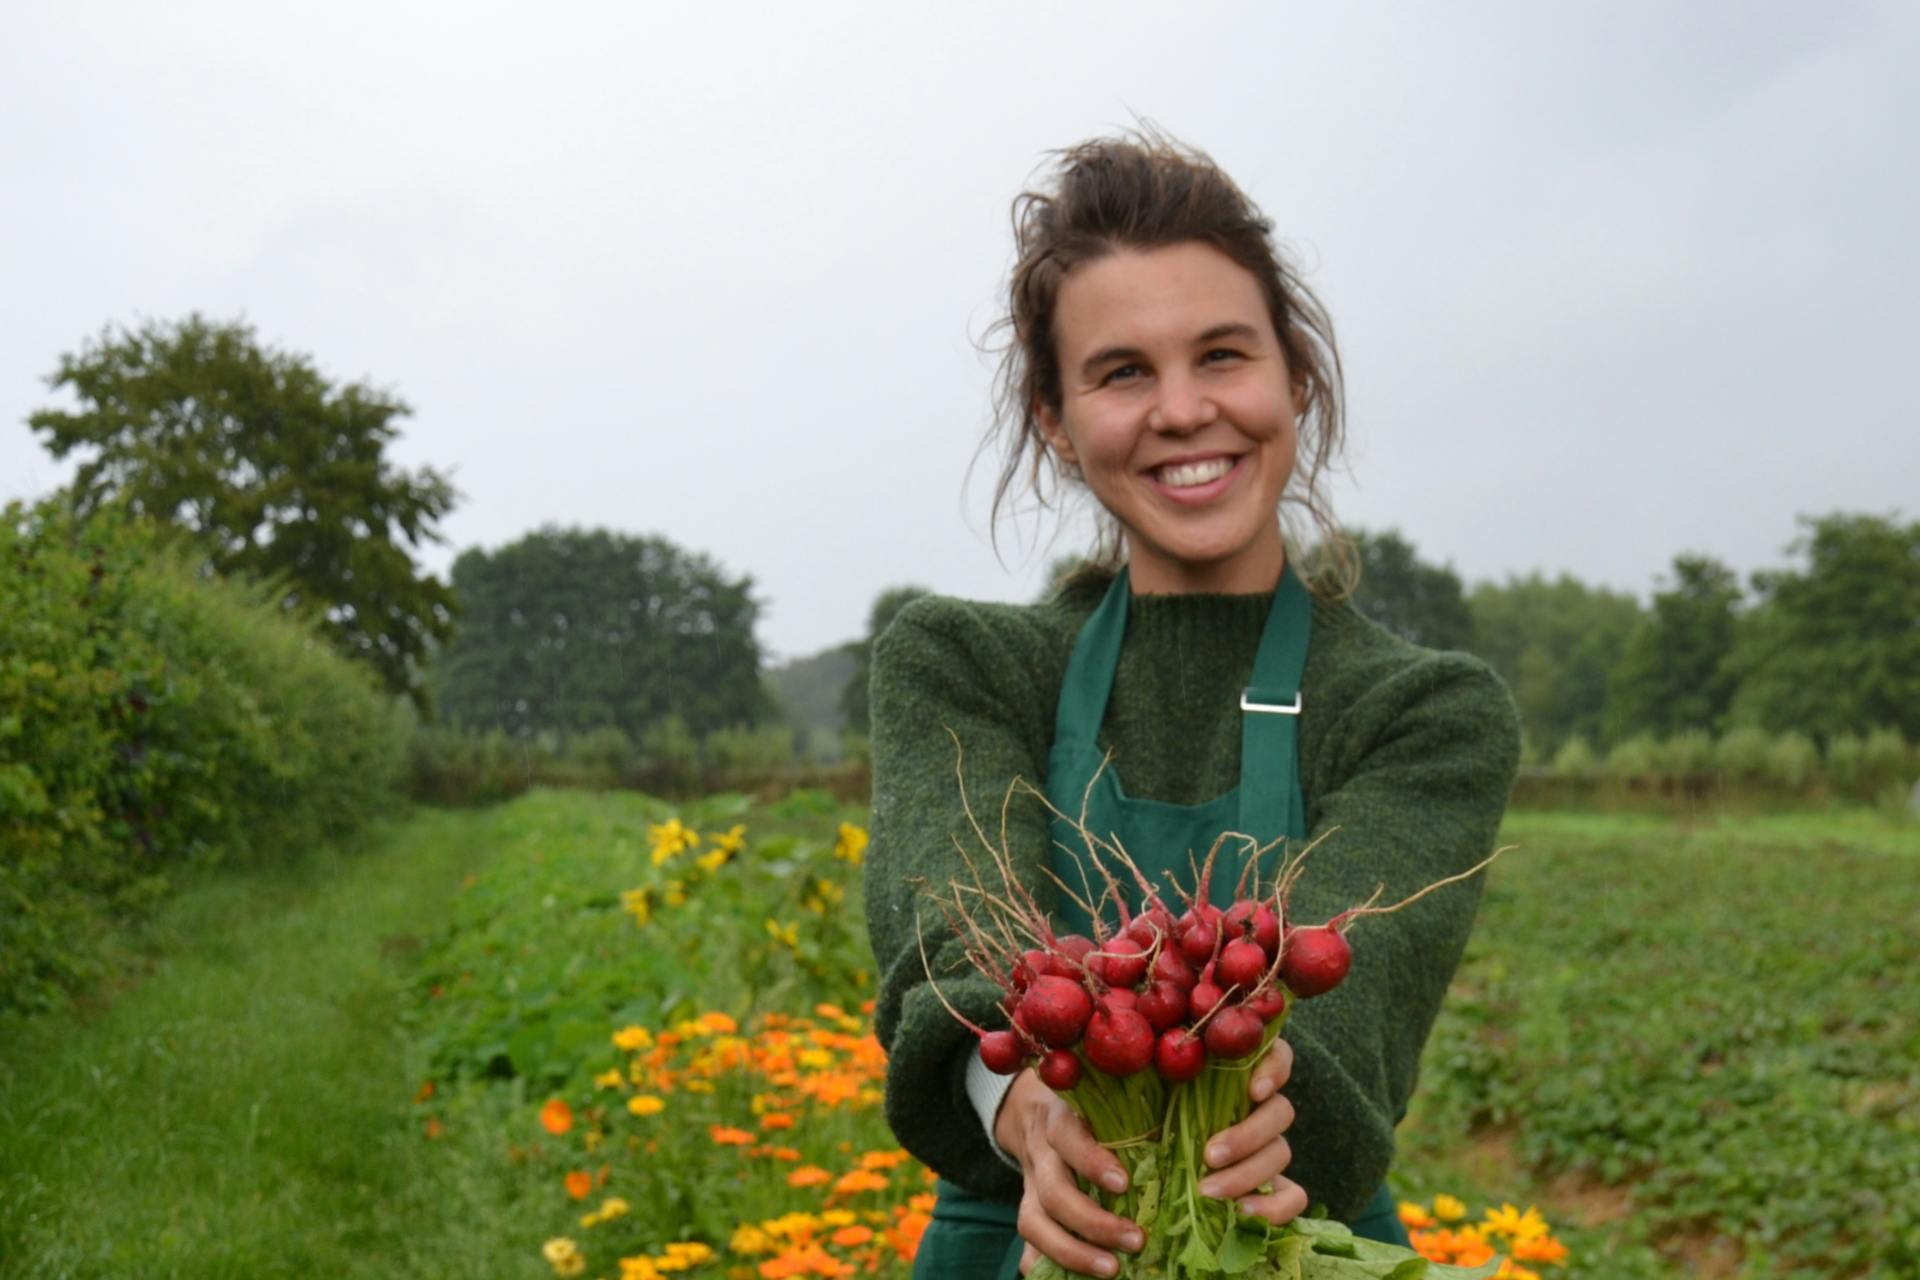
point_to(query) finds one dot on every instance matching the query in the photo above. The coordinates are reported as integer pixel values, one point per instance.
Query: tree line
(267, 470)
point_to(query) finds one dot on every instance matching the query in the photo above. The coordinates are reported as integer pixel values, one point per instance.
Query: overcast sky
(1611, 280)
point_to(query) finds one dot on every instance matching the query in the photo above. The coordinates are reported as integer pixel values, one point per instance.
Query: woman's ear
(1055, 434)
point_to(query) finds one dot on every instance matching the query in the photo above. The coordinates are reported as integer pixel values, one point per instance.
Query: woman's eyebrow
(1236, 329)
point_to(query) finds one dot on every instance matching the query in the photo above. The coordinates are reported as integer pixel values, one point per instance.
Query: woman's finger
(1246, 1176)
(1041, 1232)
(1273, 1070)
(1263, 1124)
(1028, 1256)
(1051, 1181)
(1280, 1206)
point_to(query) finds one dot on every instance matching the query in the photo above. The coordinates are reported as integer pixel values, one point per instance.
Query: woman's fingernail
(1115, 1180)
(1134, 1240)
(1210, 1188)
(1262, 1088)
(1217, 1153)
(1107, 1264)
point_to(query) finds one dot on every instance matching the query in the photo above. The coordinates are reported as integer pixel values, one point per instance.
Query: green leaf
(1244, 1245)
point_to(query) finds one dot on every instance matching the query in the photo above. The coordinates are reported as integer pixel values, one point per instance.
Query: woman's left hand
(1248, 1158)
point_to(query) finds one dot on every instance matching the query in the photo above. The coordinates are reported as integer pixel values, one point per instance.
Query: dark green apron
(971, 1238)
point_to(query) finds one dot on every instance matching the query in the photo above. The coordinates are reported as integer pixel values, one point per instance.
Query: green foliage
(1734, 1063)
(573, 630)
(1555, 644)
(853, 697)
(275, 473)
(577, 929)
(1415, 600)
(1833, 646)
(151, 717)
(1674, 673)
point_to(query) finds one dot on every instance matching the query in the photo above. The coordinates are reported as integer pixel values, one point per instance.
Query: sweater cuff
(988, 1092)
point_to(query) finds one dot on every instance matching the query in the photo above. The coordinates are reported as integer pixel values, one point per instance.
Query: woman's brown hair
(1145, 190)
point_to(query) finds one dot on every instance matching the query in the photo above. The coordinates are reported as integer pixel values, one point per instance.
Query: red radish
(1119, 998)
(1199, 937)
(1119, 1041)
(1155, 922)
(1179, 1055)
(1122, 962)
(1069, 955)
(1316, 960)
(1163, 1005)
(1002, 1052)
(1055, 1010)
(1030, 965)
(1171, 966)
(1234, 1032)
(1269, 1003)
(1060, 1069)
(1266, 925)
(1202, 998)
(1242, 964)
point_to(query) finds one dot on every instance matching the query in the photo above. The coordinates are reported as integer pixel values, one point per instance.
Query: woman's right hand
(1058, 1219)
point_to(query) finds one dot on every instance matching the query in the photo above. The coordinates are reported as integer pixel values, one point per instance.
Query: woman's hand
(1057, 1219)
(1248, 1158)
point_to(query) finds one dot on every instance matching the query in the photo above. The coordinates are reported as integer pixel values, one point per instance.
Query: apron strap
(1271, 802)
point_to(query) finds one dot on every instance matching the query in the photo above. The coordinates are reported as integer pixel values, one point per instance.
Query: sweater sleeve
(1407, 786)
(936, 669)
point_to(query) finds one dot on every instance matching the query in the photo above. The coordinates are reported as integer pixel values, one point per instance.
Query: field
(491, 1043)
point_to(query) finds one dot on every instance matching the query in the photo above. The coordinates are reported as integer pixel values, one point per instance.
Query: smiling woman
(1166, 358)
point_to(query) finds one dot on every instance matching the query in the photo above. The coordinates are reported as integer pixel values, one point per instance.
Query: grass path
(245, 1109)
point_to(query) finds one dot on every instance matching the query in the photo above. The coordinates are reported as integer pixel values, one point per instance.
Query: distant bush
(152, 717)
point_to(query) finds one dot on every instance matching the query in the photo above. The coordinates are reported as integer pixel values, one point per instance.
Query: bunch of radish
(1149, 1027)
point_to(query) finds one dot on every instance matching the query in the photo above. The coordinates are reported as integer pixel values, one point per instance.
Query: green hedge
(152, 718)
(1745, 764)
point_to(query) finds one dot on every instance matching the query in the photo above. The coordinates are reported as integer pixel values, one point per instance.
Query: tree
(270, 468)
(1674, 672)
(1555, 644)
(576, 629)
(1834, 647)
(1417, 601)
(853, 699)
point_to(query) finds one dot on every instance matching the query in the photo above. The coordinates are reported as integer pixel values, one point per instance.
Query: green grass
(246, 1110)
(1693, 1042)
(1700, 1038)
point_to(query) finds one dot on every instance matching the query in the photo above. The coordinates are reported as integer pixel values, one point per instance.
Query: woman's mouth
(1197, 481)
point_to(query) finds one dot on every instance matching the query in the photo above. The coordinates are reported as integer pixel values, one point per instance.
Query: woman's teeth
(1189, 474)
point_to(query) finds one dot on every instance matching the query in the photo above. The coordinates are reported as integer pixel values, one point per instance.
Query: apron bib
(971, 1238)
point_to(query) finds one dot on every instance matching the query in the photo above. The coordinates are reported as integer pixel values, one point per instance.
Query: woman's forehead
(1136, 297)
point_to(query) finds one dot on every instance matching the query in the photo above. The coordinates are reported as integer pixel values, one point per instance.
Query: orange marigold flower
(426, 1091)
(730, 1137)
(1539, 1249)
(579, 1184)
(921, 1203)
(808, 1176)
(776, 1120)
(857, 1181)
(905, 1234)
(556, 1117)
(852, 1237)
(884, 1159)
(833, 1011)
(434, 1127)
(717, 1023)
(1415, 1216)
(1509, 1270)
(782, 1153)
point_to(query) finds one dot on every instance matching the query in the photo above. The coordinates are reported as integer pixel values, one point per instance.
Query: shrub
(152, 717)
(1636, 758)
(1742, 755)
(1575, 759)
(1791, 761)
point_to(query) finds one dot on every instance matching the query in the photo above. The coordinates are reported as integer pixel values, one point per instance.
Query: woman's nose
(1182, 406)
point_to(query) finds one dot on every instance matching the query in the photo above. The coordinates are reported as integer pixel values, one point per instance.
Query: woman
(1167, 359)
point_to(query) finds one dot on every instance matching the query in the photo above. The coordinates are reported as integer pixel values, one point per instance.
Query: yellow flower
(1448, 1209)
(729, 842)
(692, 1250)
(837, 1218)
(640, 1268)
(699, 1086)
(564, 1256)
(610, 1079)
(788, 934)
(645, 1104)
(816, 1059)
(712, 860)
(632, 1039)
(749, 1239)
(676, 894)
(852, 844)
(1415, 1216)
(1509, 1221)
(638, 903)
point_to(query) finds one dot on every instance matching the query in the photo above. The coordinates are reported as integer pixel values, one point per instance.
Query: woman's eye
(1122, 373)
(1219, 354)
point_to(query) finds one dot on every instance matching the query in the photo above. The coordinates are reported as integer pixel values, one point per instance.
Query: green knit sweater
(1409, 752)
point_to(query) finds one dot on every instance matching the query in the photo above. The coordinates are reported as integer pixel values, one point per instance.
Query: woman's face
(1177, 408)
